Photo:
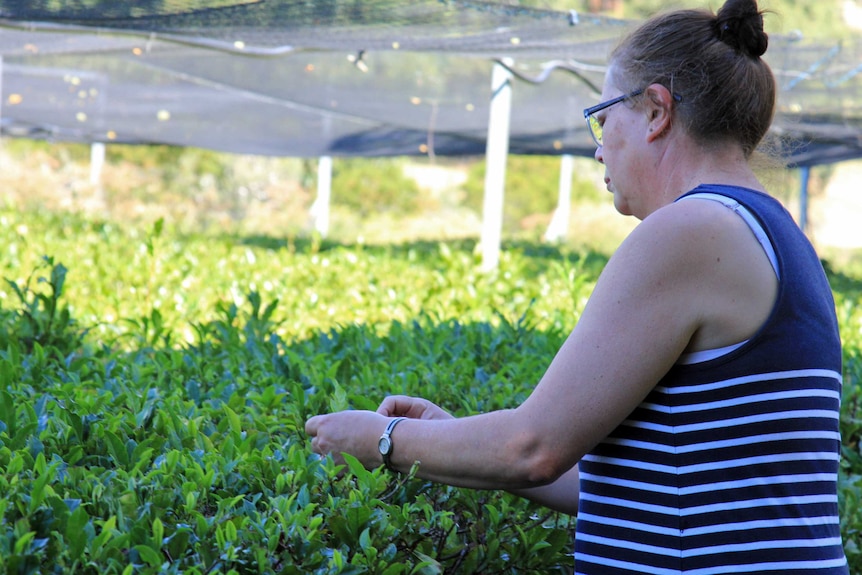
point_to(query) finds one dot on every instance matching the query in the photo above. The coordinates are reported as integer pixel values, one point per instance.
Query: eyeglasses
(593, 123)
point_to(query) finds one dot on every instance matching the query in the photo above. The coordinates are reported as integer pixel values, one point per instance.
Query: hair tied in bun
(739, 24)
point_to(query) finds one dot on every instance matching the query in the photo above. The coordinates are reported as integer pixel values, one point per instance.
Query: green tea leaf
(38, 491)
(427, 565)
(76, 535)
(117, 448)
(22, 545)
(233, 420)
(178, 543)
(150, 556)
(158, 532)
(365, 539)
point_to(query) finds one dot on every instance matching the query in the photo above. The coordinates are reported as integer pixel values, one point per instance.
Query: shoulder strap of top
(749, 219)
(763, 240)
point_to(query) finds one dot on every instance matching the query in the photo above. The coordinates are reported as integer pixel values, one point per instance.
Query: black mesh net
(353, 78)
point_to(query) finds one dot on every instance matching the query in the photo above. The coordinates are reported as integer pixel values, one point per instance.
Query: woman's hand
(353, 432)
(412, 408)
(357, 432)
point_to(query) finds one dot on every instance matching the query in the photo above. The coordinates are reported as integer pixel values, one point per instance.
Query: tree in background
(820, 20)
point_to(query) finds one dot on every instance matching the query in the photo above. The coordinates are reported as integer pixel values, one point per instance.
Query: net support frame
(497, 150)
(321, 208)
(558, 228)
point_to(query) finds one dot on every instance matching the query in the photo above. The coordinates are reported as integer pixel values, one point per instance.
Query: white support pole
(559, 226)
(97, 162)
(1, 95)
(320, 209)
(496, 151)
(805, 176)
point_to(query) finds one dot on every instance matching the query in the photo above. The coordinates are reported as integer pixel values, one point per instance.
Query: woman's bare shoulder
(711, 263)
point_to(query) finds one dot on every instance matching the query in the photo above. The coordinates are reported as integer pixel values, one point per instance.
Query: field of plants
(155, 386)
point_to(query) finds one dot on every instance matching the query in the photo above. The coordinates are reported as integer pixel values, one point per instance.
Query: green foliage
(63, 153)
(106, 9)
(821, 20)
(40, 320)
(177, 460)
(163, 457)
(179, 447)
(532, 187)
(367, 186)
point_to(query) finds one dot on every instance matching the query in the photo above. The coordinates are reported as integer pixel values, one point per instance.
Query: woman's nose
(599, 155)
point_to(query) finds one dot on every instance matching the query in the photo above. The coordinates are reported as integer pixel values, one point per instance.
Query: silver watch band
(385, 443)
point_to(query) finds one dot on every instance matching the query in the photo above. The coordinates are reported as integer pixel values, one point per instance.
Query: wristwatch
(384, 444)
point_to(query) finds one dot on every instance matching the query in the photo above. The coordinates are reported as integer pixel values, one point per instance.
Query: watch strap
(387, 436)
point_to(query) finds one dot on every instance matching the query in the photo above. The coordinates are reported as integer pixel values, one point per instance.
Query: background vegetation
(818, 19)
(409, 198)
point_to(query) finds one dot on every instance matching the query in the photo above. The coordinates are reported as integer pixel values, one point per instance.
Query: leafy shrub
(368, 186)
(193, 460)
(179, 447)
(40, 320)
(850, 480)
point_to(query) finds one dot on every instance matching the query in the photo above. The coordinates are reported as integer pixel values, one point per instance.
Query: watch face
(384, 445)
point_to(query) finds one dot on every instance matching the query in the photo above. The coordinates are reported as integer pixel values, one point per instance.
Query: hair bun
(739, 24)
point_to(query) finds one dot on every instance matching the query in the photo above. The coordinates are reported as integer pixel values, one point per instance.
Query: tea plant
(152, 408)
(39, 320)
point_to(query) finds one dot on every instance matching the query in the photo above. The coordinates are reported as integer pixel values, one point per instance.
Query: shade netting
(355, 78)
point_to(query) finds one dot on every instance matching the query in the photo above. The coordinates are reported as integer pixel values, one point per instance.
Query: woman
(691, 417)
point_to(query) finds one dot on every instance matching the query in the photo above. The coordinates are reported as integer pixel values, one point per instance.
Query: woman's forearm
(489, 451)
(561, 495)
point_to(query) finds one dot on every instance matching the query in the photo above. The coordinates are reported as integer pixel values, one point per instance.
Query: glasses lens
(596, 129)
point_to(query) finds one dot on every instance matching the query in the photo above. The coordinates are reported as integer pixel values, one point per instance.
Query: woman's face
(622, 154)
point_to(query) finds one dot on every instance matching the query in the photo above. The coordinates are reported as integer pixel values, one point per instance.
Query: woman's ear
(658, 102)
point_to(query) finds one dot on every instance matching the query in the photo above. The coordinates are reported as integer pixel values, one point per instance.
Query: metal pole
(559, 226)
(97, 161)
(805, 173)
(320, 209)
(496, 151)
(1, 97)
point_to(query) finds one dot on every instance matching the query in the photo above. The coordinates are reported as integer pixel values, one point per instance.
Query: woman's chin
(621, 206)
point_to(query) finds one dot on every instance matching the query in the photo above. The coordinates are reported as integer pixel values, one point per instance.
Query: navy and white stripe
(730, 464)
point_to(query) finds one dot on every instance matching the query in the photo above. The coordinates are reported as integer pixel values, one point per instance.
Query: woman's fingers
(411, 407)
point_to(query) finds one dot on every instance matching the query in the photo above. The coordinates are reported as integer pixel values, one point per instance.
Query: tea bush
(155, 389)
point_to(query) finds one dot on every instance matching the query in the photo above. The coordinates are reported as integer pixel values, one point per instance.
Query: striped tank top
(730, 464)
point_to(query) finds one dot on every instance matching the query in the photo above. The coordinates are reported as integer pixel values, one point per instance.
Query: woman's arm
(561, 495)
(683, 274)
